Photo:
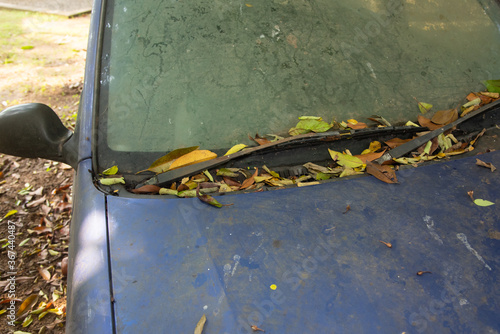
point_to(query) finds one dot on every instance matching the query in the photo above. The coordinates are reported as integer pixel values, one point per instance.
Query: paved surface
(61, 7)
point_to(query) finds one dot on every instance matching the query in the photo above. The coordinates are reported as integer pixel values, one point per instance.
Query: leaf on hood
(251, 180)
(309, 123)
(483, 202)
(193, 158)
(485, 164)
(163, 164)
(382, 172)
(493, 86)
(423, 121)
(229, 172)
(230, 182)
(147, 189)
(166, 191)
(208, 199)
(259, 140)
(27, 304)
(200, 325)
(235, 148)
(345, 160)
(370, 156)
(443, 117)
(111, 181)
(110, 171)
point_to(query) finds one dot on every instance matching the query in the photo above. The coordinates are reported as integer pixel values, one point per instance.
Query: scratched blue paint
(332, 273)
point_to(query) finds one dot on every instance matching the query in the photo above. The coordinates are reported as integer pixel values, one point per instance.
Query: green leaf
(346, 160)
(310, 124)
(493, 86)
(53, 252)
(323, 176)
(310, 117)
(27, 47)
(297, 131)
(22, 243)
(483, 202)
(112, 181)
(166, 191)
(235, 148)
(110, 171)
(424, 107)
(229, 172)
(162, 164)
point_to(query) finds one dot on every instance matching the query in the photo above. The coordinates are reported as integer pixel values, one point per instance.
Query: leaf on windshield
(345, 160)
(259, 140)
(251, 180)
(308, 124)
(443, 117)
(27, 304)
(201, 323)
(163, 164)
(380, 120)
(192, 158)
(493, 86)
(382, 172)
(235, 148)
(424, 107)
(111, 181)
(483, 202)
(485, 164)
(110, 171)
(355, 125)
(146, 189)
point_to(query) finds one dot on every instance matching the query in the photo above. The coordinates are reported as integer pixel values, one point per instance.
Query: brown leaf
(471, 97)
(370, 156)
(42, 229)
(382, 172)
(471, 194)
(27, 304)
(36, 202)
(357, 126)
(420, 273)
(485, 164)
(44, 273)
(256, 329)
(388, 244)
(147, 189)
(259, 140)
(64, 266)
(424, 121)
(443, 117)
(230, 182)
(248, 182)
(347, 208)
(395, 142)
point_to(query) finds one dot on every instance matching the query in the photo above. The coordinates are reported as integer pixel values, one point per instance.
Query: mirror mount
(33, 130)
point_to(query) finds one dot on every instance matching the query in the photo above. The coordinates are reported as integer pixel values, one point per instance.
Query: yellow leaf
(193, 158)
(235, 148)
(345, 160)
(111, 181)
(483, 202)
(27, 304)
(352, 121)
(110, 171)
(248, 5)
(163, 164)
(200, 325)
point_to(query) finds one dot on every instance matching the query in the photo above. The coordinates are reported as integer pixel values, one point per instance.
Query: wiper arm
(304, 139)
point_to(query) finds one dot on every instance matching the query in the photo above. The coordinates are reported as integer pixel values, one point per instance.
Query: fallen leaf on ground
(44, 273)
(256, 329)
(200, 325)
(192, 158)
(485, 164)
(26, 305)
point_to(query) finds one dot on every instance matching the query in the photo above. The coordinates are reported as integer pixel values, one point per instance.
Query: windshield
(208, 73)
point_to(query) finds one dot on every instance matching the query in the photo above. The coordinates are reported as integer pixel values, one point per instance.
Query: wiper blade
(412, 145)
(299, 140)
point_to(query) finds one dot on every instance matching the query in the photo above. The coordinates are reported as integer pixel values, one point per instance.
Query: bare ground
(48, 69)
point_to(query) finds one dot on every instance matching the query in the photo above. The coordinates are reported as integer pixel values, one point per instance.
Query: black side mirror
(34, 130)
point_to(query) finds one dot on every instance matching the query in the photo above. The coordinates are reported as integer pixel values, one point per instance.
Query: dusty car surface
(340, 217)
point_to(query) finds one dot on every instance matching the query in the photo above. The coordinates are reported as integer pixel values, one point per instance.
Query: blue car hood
(298, 261)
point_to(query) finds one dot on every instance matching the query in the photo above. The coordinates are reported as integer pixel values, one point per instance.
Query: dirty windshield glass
(184, 73)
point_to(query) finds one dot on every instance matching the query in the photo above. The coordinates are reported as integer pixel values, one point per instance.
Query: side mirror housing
(34, 130)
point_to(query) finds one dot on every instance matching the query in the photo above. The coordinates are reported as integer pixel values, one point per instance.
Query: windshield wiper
(299, 140)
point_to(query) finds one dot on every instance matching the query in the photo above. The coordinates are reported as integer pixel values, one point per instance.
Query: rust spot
(277, 243)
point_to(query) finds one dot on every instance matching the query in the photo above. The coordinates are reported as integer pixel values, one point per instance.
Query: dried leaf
(193, 158)
(27, 304)
(443, 117)
(208, 199)
(420, 273)
(229, 172)
(309, 123)
(485, 164)
(200, 325)
(235, 148)
(112, 181)
(110, 171)
(388, 244)
(147, 189)
(231, 182)
(370, 156)
(207, 174)
(483, 202)
(346, 160)
(27, 321)
(44, 273)
(380, 120)
(166, 191)
(347, 208)
(423, 121)
(259, 140)
(256, 329)
(251, 180)
(357, 125)
(382, 172)
(163, 164)
(64, 266)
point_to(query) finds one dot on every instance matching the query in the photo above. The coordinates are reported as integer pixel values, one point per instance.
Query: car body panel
(173, 260)
(89, 293)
